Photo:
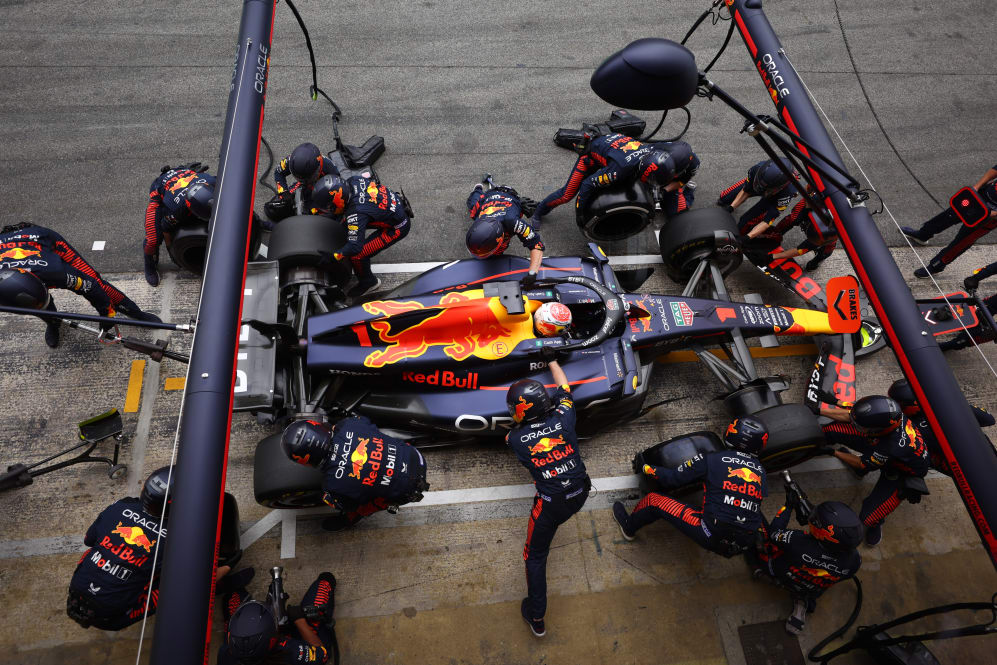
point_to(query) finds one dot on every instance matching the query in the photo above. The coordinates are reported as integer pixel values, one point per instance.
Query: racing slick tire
(309, 241)
(794, 435)
(280, 483)
(188, 245)
(694, 235)
(616, 213)
(672, 453)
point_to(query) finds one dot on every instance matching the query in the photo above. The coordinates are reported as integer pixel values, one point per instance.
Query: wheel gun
(797, 498)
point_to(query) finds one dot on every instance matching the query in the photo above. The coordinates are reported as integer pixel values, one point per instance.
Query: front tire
(280, 483)
(694, 235)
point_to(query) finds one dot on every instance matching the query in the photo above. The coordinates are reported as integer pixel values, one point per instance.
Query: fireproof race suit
(48, 256)
(110, 586)
(166, 210)
(898, 455)
(371, 205)
(801, 217)
(734, 484)
(368, 471)
(504, 207)
(548, 448)
(766, 209)
(611, 159)
(983, 417)
(326, 167)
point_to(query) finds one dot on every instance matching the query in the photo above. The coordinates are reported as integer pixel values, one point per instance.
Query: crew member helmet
(746, 434)
(331, 195)
(552, 318)
(877, 414)
(901, 392)
(836, 526)
(157, 491)
(250, 631)
(767, 179)
(305, 161)
(527, 400)
(22, 288)
(485, 238)
(657, 168)
(684, 160)
(200, 199)
(505, 189)
(306, 442)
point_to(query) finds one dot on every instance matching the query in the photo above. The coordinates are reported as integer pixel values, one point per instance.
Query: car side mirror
(651, 74)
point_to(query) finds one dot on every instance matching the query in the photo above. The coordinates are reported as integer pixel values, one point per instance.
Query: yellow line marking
(175, 383)
(756, 352)
(134, 393)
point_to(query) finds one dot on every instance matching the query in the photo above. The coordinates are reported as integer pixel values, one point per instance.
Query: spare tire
(694, 235)
(794, 435)
(280, 483)
(673, 452)
(188, 245)
(616, 213)
(309, 240)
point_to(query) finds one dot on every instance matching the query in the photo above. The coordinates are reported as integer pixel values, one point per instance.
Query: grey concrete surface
(94, 98)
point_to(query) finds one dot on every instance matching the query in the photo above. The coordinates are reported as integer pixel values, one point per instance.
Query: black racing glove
(825, 450)
(294, 612)
(971, 283)
(529, 279)
(637, 463)
(106, 326)
(548, 353)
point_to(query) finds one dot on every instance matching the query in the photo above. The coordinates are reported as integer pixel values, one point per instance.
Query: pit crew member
(497, 216)
(807, 563)
(615, 158)
(179, 195)
(734, 484)
(544, 441)
(363, 204)
(772, 187)
(46, 254)
(963, 340)
(307, 164)
(890, 443)
(364, 470)
(966, 236)
(819, 239)
(253, 636)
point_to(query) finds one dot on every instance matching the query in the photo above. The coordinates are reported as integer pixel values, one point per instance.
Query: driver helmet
(485, 238)
(877, 414)
(305, 161)
(836, 526)
(200, 200)
(901, 393)
(551, 318)
(251, 630)
(22, 288)
(527, 400)
(306, 442)
(331, 194)
(657, 167)
(767, 179)
(746, 434)
(156, 491)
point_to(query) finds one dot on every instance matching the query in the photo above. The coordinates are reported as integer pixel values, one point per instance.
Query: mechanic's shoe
(622, 518)
(151, 274)
(52, 334)
(233, 581)
(536, 625)
(363, 286)
(873, 535)
(335, 523)
(798, 619)
(933, 269)
(812, 264)
(689, 186)
(954, 344)
(914, 235)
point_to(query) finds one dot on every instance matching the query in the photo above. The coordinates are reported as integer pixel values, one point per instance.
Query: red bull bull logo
(182, 182)
(521, 408)
(546, 444)
(823, 533)
(645, 321)
(359, 457)
(134, 535)
(463, 326)
(630, 146)
(18, 253)
(744, 474)
(815, 572)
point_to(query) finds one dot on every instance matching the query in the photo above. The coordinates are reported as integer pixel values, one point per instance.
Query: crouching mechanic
(363, 203)
(808, 563)
(876, 427)
(497, 216)
(307, 164)
(364, 470)
(965, 340)
(544, 441)
(772, 187)
(252, 635)
(46, 255)
(734, 484)
(180, 195)
(615, 158)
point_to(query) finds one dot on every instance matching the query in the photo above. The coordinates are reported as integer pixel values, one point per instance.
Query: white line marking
(263, 251)
(98, 245)
(247, 292)
(258, 530)
(288, 534)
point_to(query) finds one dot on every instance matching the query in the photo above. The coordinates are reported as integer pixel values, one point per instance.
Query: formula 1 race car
(431, 361)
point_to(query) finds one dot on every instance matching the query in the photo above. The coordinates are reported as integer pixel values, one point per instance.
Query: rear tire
(673, 452)
(794, 435)
(616, 213)
(309, 241)
(188, 245)
(280, 483)
(694, 235)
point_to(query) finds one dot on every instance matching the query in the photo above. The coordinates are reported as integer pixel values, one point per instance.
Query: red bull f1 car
(431, 361)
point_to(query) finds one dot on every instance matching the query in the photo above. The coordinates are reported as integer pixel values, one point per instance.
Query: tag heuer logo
(682, 313)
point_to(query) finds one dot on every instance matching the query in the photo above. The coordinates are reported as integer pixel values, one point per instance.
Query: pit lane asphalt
(95, 102)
